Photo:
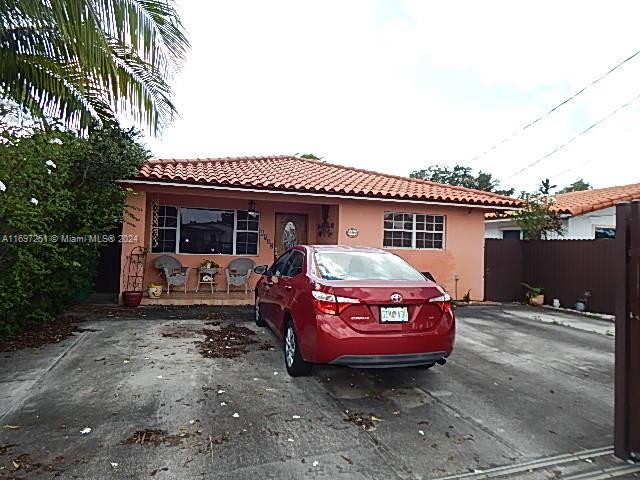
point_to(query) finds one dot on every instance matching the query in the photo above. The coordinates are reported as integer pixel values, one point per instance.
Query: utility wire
(565, 101)
(557, 149)
(571, 169)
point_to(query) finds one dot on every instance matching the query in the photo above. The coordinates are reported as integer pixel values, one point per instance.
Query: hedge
(54, 186)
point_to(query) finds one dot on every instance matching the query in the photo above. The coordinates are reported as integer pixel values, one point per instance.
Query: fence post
(627, 343)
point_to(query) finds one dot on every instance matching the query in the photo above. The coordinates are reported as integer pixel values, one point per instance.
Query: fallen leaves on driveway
(25, 464)
(367, 422)
(6, 449)
(230, 341)
(42, 334)
(157, 437)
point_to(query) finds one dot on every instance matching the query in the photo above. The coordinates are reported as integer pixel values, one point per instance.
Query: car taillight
(443, 302)
(329, 303)
(325, 302)
(344, 302)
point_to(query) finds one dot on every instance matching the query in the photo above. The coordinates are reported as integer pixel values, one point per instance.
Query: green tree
(55, 183)
(577, 186)
(546, 187)
(309, 156)
(462, 176)
(538, 219)
(86, 61)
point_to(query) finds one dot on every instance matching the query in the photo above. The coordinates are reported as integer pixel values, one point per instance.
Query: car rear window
(364, 266)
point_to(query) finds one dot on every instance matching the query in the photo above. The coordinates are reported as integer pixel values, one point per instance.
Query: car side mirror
(261, 269)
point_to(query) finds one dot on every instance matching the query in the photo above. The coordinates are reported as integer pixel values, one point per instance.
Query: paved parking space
(515, 389)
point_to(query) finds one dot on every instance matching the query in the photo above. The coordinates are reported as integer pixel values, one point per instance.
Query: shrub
(55, 184)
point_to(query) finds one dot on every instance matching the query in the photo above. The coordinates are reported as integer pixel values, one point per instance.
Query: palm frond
(88, 60)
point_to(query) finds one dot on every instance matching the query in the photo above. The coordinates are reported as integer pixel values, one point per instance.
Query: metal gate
(627, 370)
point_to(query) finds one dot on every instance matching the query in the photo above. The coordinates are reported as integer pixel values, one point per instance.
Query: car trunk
(374, 296)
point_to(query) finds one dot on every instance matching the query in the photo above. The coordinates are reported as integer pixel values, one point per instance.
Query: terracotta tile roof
(577, 203)
(291, 173)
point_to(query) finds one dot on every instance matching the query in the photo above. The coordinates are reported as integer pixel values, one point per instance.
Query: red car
(353, 306)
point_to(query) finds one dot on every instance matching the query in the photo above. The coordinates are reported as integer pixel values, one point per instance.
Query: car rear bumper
(389, 361)
(337, 343)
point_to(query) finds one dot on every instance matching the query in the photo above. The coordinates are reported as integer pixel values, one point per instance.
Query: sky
(398, 85)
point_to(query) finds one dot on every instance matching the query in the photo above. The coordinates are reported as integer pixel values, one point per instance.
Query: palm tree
(86, 61)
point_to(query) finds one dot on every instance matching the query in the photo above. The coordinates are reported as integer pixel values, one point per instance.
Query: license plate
(394, 314)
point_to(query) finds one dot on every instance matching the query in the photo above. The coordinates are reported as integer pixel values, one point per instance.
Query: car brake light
(324, 302)
(443, 302)
(330, 304)
(344, 302)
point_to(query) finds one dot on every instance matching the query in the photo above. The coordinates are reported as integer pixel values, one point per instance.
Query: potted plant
(155, 290)
(581, 304)
(534, 295)
(207, 263)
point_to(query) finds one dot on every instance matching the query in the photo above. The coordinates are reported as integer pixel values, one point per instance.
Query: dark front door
(107, 279)
(291, 230)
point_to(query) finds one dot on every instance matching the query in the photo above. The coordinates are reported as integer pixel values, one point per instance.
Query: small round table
(207, 276)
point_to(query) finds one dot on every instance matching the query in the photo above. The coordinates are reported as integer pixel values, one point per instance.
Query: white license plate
(394, 314)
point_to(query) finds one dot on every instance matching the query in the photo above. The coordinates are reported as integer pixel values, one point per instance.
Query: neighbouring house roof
(294, 174)
(586, 201)
(578, 203)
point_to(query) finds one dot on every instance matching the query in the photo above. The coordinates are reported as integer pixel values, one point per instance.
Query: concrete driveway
(518, 387)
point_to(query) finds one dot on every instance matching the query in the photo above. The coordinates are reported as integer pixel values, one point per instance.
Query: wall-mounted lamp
(325, 228)
(252, 207)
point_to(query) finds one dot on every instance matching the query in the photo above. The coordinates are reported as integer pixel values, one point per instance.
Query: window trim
(235, 233)
(414, 231)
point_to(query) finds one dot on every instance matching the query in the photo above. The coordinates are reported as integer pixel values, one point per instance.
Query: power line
(565, 101)
(571, 169)
(586, 130)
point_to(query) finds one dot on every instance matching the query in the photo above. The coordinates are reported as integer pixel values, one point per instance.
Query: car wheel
(296, 366)
(258, 315)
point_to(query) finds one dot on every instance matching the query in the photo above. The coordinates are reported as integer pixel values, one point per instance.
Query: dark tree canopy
(462, 176)
(577, 186)
(546, 187)
(308, 156)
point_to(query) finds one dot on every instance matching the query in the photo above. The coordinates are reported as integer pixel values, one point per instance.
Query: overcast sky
(398, 85)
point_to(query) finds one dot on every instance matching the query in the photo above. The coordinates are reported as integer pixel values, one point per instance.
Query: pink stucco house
(226, 208)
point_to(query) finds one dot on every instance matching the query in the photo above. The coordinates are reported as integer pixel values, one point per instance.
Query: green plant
(467, 297)
(209, 263)
(86, 61)
(532, 292)
(462, 176)
(57, 187)
(538, 218)
(577, 186)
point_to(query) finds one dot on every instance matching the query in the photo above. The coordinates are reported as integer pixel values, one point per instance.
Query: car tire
(293, 361)
(257, 315)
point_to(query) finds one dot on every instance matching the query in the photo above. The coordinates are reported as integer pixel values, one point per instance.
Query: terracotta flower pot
(131, 299)
(536, 300)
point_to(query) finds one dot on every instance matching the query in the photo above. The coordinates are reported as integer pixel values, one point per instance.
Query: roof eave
(229, 187)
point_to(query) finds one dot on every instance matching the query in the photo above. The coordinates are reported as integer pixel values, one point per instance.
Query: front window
(413, 230)
(605, 232)
(364, 266)
(205, 231)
